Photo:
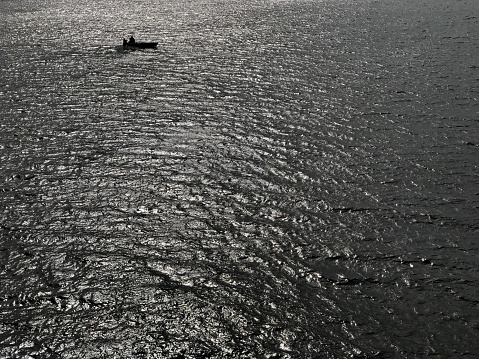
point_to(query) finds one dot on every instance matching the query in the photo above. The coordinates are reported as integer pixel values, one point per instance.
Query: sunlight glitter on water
(289, 179)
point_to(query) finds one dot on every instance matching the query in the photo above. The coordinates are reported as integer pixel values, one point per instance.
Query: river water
(279, 179)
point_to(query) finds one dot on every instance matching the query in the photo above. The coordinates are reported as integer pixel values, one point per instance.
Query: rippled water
(289, 179)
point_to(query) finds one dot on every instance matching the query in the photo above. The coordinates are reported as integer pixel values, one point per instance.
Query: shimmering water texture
(279, 179)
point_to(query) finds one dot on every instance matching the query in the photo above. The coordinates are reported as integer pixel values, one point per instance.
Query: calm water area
(278, 179)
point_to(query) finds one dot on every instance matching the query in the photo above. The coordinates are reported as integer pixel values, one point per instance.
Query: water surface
(289, 179)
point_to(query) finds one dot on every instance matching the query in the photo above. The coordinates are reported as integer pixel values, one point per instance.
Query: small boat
(138, 45)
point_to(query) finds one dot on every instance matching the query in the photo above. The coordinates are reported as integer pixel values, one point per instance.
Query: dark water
(289, 179)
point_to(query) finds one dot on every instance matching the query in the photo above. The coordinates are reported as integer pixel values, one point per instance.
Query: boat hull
(140, 45)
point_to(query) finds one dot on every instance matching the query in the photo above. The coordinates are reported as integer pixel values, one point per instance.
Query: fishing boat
(132, 44)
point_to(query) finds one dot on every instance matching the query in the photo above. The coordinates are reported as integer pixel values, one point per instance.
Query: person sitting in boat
(132, 40)
(125, 42)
